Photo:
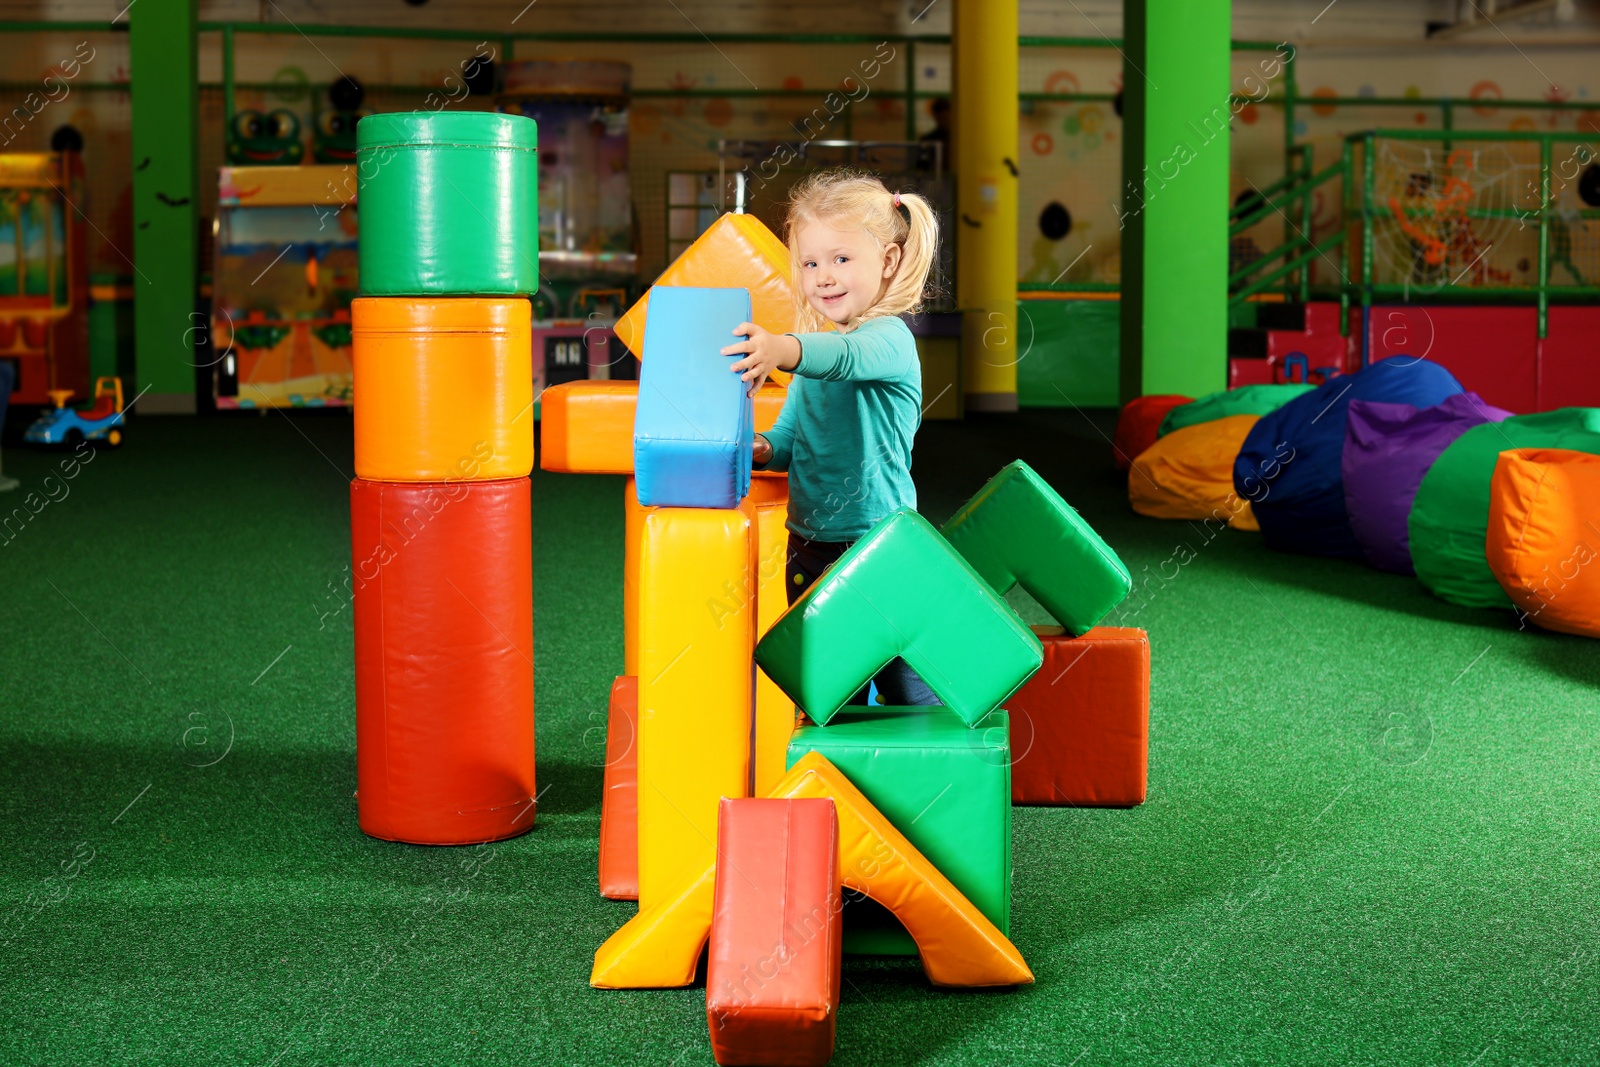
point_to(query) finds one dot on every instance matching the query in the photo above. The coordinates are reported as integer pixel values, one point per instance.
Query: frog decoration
(334, 139)
(263, 140)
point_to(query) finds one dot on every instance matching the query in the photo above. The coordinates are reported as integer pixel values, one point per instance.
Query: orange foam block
(772, 977)
(586, 427)
(660, 947)
(1080, 727)
(619, 804)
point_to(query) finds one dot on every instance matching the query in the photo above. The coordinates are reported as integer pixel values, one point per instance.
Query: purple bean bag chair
(1387, 450)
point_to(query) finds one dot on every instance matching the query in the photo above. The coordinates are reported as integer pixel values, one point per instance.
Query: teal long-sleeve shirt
(845, 431)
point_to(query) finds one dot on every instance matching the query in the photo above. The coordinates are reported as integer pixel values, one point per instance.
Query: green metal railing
(1360, 212)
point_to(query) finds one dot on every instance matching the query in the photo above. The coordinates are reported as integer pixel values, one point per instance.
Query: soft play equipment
(695, 685)
(1080, 728)
(1188, 474)
(1387, 450)
(446, 388)
(1288, 467)
(586, 427)
(768, 506)
(444, 659)
(695, 426)
(1139, 424)
(1018, 531)
(660, 947)
(945, 786)
(443, 568)
(773, 970)
(1449, 522)
(736, 250)
(901, 590)
(619, 804)
(1544, 536)
(449, 204)
(1257, 400)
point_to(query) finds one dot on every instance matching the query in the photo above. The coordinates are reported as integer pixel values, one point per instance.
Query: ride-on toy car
(68, 426)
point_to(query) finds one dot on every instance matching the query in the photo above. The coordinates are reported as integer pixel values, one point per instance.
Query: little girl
(862, 256)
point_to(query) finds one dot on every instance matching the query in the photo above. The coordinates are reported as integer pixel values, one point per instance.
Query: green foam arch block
(901, 590)
(1018, 531)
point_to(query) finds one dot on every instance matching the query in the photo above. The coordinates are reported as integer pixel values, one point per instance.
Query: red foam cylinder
(444, 659)
(773, 970)
(619, 806)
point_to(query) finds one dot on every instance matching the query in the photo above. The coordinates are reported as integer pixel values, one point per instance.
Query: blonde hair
(849, 199)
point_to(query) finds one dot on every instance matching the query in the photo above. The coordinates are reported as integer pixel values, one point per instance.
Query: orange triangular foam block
(660, 947)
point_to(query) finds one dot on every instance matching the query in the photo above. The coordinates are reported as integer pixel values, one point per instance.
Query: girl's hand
(761, 453)
(764, 353)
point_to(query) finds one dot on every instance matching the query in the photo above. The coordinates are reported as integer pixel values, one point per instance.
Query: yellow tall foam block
(659, 947)
(632, 537)
(696, 685)
(768, 502)
(738, 251)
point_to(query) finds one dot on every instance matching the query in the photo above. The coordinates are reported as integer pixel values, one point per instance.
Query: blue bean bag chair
(1289, 466)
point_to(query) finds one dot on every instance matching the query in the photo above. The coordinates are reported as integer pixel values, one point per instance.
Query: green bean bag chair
(1449, 521)
(1245, 400)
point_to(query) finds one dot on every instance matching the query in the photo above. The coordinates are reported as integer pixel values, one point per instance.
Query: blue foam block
(694, 427)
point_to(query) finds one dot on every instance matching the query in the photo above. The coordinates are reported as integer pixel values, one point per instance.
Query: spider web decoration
(1463, 215)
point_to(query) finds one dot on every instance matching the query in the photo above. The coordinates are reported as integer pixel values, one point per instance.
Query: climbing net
(1467, 215)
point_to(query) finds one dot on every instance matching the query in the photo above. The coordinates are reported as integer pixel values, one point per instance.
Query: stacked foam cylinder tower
(440, 525)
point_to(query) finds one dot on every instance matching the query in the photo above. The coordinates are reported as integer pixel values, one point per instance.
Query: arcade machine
(587, 261)
(44, 274)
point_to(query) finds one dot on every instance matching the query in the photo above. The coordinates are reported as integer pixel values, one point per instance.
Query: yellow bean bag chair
(1543, 543)
(1188, 474)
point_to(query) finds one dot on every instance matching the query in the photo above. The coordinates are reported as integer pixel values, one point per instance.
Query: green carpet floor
(1373, 832)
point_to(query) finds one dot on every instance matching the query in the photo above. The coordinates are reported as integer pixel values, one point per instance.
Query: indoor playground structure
(1173, 637)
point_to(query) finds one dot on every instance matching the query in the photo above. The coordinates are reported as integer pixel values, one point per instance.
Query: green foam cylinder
(901, 590)
(947, 788)
(1018, 531)
(448, 204)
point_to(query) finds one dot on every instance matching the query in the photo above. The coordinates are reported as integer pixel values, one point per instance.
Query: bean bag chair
(1449, 522)
(1289, 467)
(1387, 450)
(1544, 536)
(1188, 474)
(1140, 424)
(1245, 400)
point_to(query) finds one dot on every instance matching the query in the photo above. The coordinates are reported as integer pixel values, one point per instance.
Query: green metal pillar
(165, 85)
(1175, 114)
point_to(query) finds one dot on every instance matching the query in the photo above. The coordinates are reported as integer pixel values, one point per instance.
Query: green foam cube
(946, 787)
(1018, 531)
(901, 590)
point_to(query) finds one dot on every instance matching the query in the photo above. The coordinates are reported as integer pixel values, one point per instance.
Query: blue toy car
(70, 426)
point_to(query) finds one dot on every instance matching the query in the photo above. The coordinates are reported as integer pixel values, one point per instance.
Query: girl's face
(843, 272)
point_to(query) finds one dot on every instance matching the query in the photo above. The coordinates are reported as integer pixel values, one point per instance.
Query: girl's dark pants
(898, 684)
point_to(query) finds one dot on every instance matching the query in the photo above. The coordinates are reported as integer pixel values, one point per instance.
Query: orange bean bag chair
(1140, 424)
(1188, 474)
(1543, 543)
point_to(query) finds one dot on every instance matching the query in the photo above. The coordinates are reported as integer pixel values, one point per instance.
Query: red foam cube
(619, 803)
(1080, 728)
(773, 970)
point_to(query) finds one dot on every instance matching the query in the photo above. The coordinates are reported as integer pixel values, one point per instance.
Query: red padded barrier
(1080, 728)
(619, 804)
(772, 976)
(444, 659)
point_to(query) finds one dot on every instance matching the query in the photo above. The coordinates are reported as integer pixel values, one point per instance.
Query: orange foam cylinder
(444, 660)
(772, 975)
(586, 427)
(443, 388)
(619, 804)
(696, 683)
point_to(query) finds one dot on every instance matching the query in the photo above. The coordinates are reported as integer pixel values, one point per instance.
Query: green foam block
(901, 590)
(1018, 531)
(946, 787)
